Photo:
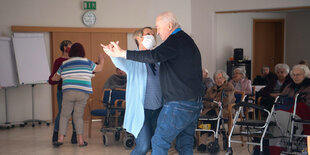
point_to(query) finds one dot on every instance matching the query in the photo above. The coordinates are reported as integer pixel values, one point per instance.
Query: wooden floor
(37, 140)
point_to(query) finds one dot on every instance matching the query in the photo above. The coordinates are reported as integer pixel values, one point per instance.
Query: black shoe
(57, 144)
(84, 144)
(202, 148)
(73, 138)
(55, 136)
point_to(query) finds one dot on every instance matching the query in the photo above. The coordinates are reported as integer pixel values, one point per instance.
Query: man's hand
(114, 50)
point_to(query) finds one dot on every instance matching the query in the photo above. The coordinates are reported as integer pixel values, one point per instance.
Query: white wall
(204, 23)
(68, 13)
(235, 30)
(298, 37)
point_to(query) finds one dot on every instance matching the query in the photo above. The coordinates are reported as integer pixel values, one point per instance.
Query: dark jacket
(180, 66)
(264, 80)
(267, 100)
(271, 85)
(292, 89)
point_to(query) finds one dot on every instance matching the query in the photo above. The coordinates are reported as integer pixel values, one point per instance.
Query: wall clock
(89, 18)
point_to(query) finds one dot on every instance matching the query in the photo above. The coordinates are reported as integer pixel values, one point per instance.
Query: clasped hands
(113, 50)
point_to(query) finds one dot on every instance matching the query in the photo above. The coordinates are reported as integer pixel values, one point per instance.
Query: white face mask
(148, 41)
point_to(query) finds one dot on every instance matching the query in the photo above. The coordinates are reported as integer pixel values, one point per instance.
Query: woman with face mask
(143, 93)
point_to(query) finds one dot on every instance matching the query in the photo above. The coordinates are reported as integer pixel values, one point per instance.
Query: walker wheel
(213, 147)
(128, 142)
(105, 140)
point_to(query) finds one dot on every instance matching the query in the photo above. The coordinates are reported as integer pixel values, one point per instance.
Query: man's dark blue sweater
(180, 66)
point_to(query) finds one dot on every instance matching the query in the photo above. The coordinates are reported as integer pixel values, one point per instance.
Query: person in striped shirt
(64, 46)
(76, 74)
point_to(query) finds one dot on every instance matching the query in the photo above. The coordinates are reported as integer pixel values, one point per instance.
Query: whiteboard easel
(8, 76)
(32, 63)
(31, 58)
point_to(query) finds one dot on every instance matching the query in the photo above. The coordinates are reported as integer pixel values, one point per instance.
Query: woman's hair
(139, 33)
(242, 71)
(77, 50)
(63, 44)
(302, 67)
(221, 72)
(284, 66)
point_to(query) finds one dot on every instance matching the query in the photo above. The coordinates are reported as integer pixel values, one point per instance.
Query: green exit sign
(89, 5)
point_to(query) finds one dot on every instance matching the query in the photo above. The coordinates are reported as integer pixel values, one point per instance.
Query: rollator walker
(214, 147)
(297, 141)
(253, 128)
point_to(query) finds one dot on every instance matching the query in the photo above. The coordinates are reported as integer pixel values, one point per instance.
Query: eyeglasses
(297, 75)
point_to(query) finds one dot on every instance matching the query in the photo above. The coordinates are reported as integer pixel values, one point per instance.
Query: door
(108, 67)
(91, 43)
(268, 44)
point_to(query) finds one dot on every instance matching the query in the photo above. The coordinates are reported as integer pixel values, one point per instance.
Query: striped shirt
(76, 74)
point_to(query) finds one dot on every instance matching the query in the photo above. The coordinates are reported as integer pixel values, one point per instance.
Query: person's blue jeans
(59, 101)
(177, 119)
(143, 141)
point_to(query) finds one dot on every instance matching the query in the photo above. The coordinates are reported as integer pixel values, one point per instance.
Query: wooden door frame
(255, 21)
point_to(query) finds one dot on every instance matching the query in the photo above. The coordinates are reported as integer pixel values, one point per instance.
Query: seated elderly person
(240, 82)
(220, 77)
(275, 86)
(265, 77)
(300, 84)
(300, 75)
(117, 80)
(207, 81)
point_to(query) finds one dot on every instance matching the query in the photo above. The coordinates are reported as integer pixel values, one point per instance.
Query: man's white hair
(169, 17)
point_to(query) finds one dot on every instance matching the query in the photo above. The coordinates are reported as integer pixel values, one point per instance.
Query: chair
(110, 98)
